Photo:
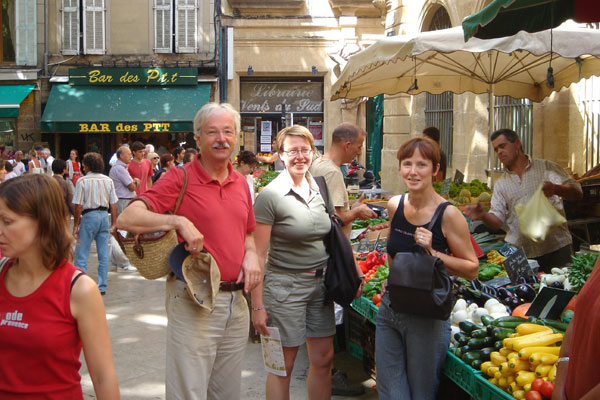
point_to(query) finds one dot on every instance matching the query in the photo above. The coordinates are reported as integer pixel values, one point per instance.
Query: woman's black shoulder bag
(341, 278)
(419, 283)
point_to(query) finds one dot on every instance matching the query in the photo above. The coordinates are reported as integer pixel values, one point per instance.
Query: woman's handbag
(341, 278)
(149, 253)
(419, 283)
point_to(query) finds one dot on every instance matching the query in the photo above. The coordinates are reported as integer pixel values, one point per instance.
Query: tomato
(533, 395)
(520, 311)
(547, 389)
(377, 299)
(537, 384)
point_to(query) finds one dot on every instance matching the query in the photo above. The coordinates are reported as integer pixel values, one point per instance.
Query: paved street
(137, 324)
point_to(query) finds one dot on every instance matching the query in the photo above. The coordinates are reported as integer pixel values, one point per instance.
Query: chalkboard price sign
(550, 303)
(517, 267)
(445, 187)
(459, 177)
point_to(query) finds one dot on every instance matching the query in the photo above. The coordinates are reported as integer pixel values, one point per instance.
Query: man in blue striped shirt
(94, 196)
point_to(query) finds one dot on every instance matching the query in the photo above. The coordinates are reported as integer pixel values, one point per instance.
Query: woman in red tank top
(73, 166)
(49, 309)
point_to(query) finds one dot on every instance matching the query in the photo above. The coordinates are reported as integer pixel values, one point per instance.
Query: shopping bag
(538, 216)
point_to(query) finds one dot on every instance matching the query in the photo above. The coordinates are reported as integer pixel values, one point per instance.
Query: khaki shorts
(295, 304)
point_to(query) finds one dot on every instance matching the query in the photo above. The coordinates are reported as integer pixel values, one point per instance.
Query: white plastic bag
(538, 217)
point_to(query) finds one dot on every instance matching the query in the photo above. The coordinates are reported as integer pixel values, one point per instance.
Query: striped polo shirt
(94, 190)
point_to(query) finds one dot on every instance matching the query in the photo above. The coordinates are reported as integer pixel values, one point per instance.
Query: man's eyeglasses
(295, 152)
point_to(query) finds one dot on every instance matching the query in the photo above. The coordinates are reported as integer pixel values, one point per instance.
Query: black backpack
(341, 277)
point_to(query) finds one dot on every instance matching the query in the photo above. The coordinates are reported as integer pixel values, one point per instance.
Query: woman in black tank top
(410, 349)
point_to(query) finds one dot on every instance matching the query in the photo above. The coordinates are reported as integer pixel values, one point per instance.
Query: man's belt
(230, 286)
(223, 286)
(87, 210)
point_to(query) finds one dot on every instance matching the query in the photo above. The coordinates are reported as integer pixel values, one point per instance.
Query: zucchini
(489, 341)
(485, 353)
(561, 326)
(476, 343)
(459, 335)
(463, 340)
(458, 352)
(470, 357)
(502, 333)
(469, 327)
(509, 318)
(476, 364)
(486, 320)
(480, 333)
(508, 324)
(498, 344)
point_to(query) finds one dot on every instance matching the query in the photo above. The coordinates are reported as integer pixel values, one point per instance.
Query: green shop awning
(11, 97)
(74, 109)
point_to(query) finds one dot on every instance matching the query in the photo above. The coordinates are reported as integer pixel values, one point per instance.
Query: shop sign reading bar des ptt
(133, 76)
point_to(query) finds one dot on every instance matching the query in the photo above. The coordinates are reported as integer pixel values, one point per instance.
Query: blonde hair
(295, 130)
(209, 109)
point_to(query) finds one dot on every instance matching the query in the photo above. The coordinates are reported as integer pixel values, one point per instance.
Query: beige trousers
(204, 350)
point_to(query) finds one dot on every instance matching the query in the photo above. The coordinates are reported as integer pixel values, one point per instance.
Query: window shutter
(26, 48)
(70, 27)
(186, 22)
(93, 27)
(163, 26)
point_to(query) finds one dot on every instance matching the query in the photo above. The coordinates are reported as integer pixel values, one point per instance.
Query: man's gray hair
(46, 151)
(120, 150)
(209, 109)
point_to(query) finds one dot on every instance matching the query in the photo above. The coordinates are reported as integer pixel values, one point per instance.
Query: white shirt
(18, 167)
(49, 162)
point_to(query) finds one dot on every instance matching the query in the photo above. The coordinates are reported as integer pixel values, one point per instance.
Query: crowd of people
(269, 246)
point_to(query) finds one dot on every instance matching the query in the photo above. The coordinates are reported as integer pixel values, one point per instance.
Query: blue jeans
(94, 226)
(410, 351)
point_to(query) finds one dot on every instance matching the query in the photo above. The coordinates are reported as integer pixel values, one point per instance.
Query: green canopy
(507, 17)
(99, 109)
(11, 97)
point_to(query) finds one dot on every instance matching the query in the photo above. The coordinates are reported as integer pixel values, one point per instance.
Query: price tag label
(446, 187)
(459, 177)
(507, 250)
(498, 282)
(517, 267)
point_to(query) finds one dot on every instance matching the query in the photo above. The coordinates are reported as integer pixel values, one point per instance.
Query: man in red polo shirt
(205, 350)
(140, 168)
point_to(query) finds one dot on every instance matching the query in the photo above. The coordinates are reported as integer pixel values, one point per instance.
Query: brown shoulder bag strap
(182, 191)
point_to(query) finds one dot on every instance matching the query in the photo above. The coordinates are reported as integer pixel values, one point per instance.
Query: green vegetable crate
(366, 308)
(460, 373)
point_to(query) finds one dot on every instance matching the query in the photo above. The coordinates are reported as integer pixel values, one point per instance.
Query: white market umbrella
(440, 61)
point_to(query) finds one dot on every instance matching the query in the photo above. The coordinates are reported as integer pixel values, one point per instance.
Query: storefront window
(7, 137)
(268, 106)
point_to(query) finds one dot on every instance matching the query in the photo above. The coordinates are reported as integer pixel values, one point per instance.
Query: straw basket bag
(149, 253)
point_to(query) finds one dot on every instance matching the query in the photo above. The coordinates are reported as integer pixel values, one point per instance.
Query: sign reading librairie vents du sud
(268, 97)
(133, 76)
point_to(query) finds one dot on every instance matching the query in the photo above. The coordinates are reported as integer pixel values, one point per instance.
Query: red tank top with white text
(39, 344)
